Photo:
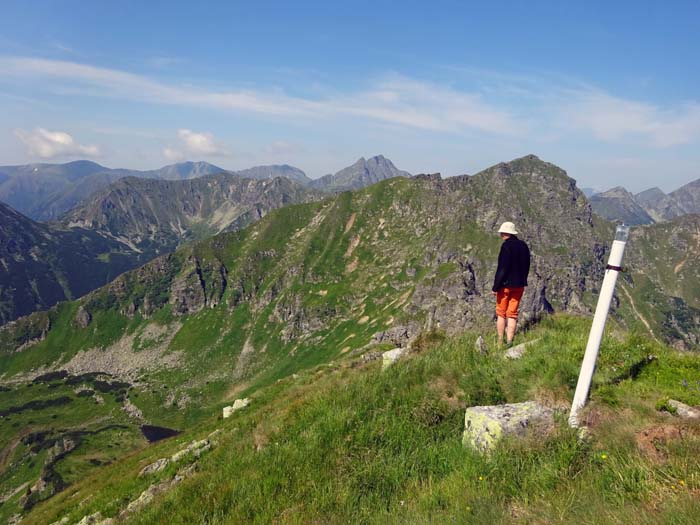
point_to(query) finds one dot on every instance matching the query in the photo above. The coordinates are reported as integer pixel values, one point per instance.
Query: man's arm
(503, 262)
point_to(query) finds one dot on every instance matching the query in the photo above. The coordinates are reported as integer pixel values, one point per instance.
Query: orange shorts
(507, 302)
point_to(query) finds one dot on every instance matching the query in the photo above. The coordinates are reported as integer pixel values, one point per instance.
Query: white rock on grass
(237, 405)
(154, 467)
(391, 356)
(516, 352)
(484, 426)
(196, 448)
(683, 410)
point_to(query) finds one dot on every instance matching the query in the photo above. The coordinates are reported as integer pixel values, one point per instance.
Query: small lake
(153, 433)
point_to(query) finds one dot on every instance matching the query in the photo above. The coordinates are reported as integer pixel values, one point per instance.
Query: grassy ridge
(352, 444)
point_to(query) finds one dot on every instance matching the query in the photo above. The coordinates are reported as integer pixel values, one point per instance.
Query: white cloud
(199, 143)
(172, 154)
(195, 144)
(48, 144)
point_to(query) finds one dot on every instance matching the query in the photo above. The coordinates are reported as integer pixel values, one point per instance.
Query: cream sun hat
(508, 227)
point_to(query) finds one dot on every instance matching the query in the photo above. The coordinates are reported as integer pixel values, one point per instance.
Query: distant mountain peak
(363, 172)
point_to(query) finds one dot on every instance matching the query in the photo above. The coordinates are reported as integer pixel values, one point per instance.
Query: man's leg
(512, 312)
(510, 332)
(500, 328)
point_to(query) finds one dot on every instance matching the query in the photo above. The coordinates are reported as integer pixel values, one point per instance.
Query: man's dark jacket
(513, 264)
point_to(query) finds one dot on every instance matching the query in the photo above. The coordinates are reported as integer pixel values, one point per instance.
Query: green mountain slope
(349, 443)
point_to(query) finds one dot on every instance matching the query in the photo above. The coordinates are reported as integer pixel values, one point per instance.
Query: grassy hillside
(347, 442)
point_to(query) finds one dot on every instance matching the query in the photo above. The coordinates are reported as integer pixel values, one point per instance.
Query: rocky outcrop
(82, 317)
(485, 426)
(238, 404)
(198, 286)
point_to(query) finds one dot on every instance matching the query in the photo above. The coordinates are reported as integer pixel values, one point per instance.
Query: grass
(348, 444)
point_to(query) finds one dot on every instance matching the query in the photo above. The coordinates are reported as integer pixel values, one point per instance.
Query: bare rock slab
(485, 426)
(683, 410)
(517, 351)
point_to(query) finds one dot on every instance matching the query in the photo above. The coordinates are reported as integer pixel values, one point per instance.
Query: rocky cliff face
(363, 173)
(155, 216)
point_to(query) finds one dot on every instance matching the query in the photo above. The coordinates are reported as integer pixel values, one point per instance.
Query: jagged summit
(362, 173)
(619, 204)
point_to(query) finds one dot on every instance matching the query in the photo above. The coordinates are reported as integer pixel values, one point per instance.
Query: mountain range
(649, 206)
(44, 192)
(138, 218)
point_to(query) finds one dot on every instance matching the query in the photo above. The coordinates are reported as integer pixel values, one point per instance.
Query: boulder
(237, 405)
(391, 356)
(683, 410)
(484, 426)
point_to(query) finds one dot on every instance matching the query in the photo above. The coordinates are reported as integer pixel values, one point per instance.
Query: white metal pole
(601, 314)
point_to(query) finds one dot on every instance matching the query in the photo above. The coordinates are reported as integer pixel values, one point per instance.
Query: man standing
(510, 281)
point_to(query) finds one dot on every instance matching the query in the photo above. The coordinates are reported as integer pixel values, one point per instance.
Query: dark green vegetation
(56, 428)
(42, 264)
(350, 444)
(324, 282)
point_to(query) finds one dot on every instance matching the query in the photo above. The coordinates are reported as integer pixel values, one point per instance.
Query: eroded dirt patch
(653, 441)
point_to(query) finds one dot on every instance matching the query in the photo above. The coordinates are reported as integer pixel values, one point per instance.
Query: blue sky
(610, 91)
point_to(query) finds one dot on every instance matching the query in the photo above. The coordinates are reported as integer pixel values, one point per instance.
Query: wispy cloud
(192, 143)
(527, 107)
(49, 144)
(399, 100)
(613, 119)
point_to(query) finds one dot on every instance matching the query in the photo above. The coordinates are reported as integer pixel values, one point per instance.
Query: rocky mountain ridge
(156, 216)
(143, 217)
(44, 192)
(649, 206)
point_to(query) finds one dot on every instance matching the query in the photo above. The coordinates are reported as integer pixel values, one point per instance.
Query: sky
(609, 91)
